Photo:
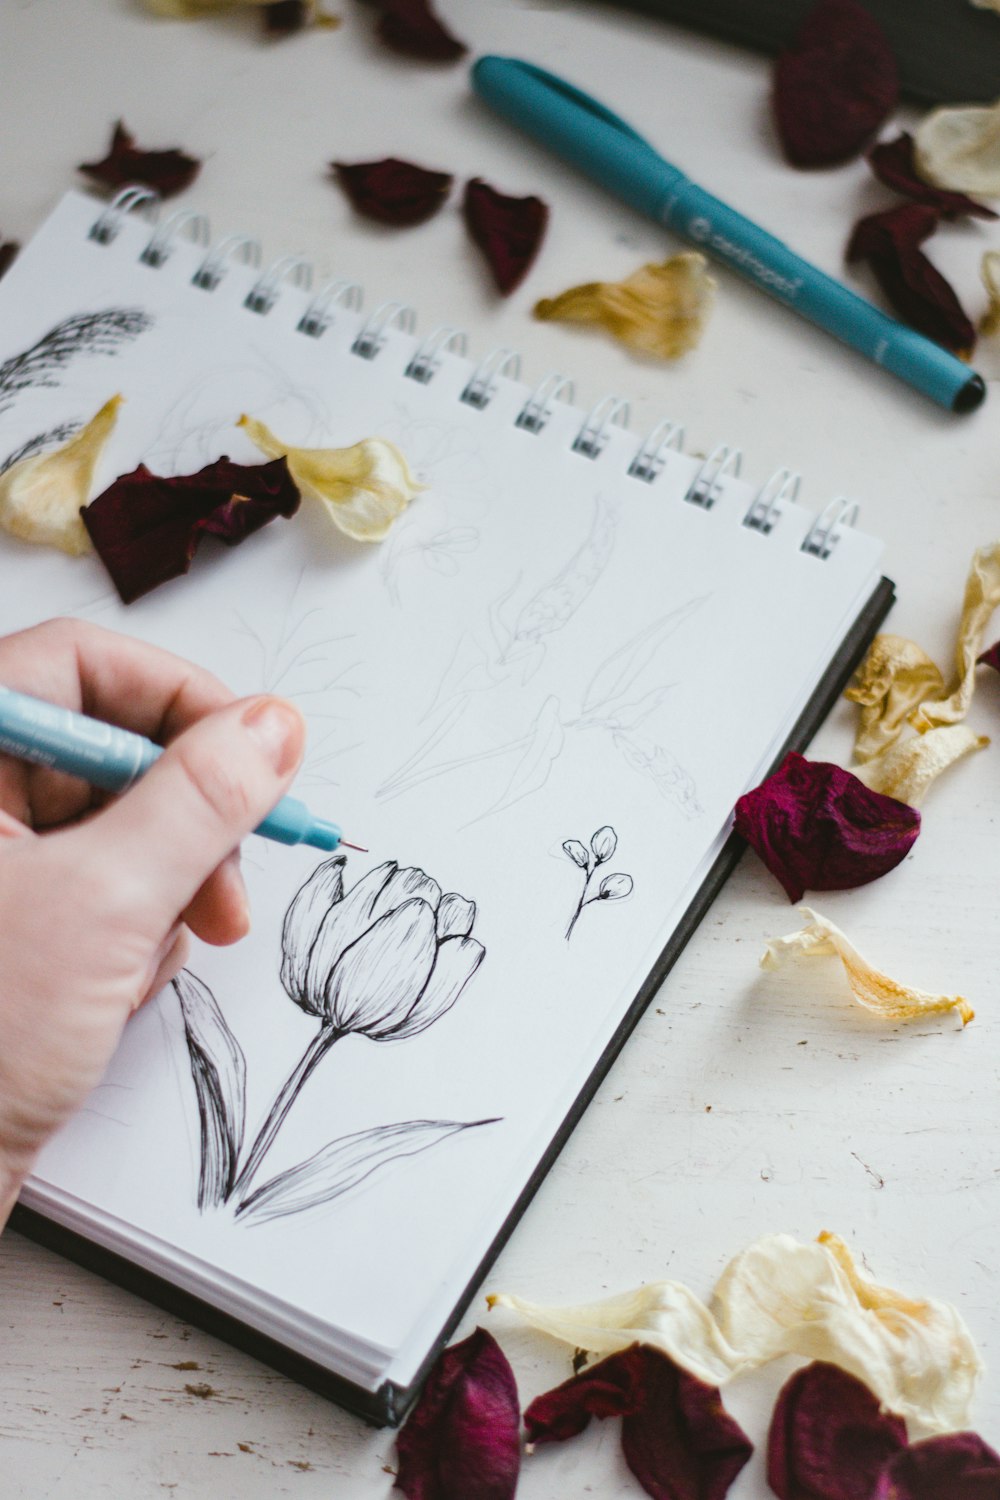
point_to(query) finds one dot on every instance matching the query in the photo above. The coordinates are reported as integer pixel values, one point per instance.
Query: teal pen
(104, 755)
(603, 146)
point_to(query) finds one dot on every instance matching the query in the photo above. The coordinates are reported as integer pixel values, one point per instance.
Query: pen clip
(574, 96)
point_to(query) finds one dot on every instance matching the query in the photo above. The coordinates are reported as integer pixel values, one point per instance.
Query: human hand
(96, 901)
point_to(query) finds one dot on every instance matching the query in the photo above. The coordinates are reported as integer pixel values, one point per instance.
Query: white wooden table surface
(745, 1103)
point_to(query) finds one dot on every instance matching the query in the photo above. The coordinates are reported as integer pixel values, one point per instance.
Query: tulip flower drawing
(384, 960)
(613, 887)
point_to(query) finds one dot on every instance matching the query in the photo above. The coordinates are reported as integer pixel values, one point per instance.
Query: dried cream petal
(364, 488)
(986, 4)
(781, 1297)
(659, 309)
(894, 677)
(872, 989)
(907, 769)
(960, 149)
(42, 496)
(989, 269)
(982, 595)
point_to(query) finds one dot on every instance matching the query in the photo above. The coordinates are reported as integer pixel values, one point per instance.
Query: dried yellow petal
(42, 495)
(960, 149)
(907, 769)
(989, 269)
(659, 309)
(982, 595)
(364, 488)
(872, 989)
(894, 677)
(781, 1297)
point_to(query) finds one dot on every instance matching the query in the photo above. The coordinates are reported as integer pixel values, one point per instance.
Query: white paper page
(543, 648)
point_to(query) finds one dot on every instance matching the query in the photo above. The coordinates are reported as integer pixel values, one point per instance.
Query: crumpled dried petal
(818, 828)
(363, 488)
(41, 495)
(8, 253)
(659, 309)
(509, 231)
(413, 28)
(894, 677)
(959, 1466)
(893, 163)
(960, 149)
(393, 191)
(834, 84)
(146, 528)
(871, 988)
(907, 769)
(782, 1297)
(169, 171)
(461, 1440)
(982, 595)
(677, 1437)
(989, 270)
(890, 243)
(829, 1437)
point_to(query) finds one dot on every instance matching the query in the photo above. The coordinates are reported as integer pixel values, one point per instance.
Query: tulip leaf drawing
(345, 1163)
(615, 676)
(615, 887)
(384, 960)
(85, 333)
(219, 1072)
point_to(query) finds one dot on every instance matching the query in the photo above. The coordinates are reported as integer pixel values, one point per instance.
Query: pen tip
(345, 844)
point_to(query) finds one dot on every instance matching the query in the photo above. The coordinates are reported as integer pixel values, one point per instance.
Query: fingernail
(277, 728)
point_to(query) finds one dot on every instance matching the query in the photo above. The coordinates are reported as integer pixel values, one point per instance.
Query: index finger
(109, 676)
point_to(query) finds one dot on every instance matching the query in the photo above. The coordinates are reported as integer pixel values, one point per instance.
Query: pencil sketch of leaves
(86, 333)
(626, 716)
(543, 746)
(615, 676)
(666, 773)
(345, 1163)
(39, 443)
(219, 1070)
(441, 551)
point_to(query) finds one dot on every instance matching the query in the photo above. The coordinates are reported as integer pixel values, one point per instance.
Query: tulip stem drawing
(384, 960)
(612, 888)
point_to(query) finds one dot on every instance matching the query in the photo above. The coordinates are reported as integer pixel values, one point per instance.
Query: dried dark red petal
(8, 252)
(393, 191)
(829, 1437)
(893, 163)
(284, 17)
(509, 231)
(677, 1438)
(991, 658)
(834, 84)
(146, 528)
(818, 828)
(169, 171)
(890, 243)
(461, 1441)
(958, 1466)
(411, 27)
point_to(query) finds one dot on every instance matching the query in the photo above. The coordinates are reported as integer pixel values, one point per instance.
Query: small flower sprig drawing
(613, 887)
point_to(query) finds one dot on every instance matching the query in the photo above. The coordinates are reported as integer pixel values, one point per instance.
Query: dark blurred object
(948, 51)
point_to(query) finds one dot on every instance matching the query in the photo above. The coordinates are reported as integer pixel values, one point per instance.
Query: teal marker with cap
(106, 756)
(591, 137)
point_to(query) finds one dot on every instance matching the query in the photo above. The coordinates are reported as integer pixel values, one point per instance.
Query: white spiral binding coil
(162, 241)
(108, 223)
(481, 387)
(317, 317)
(372, 337)
(778, 493)
(426, 359)
(264, 293)
(537, 410)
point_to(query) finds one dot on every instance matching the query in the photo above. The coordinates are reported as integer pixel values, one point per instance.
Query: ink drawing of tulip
(384, 960)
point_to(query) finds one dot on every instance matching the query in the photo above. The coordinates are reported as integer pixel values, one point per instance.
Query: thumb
(211, 786)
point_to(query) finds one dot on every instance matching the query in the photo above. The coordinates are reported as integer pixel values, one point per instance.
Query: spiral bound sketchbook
(536, 701)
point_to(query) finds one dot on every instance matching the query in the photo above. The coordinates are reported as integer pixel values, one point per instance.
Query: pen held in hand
(113, 758)
(591, 137)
